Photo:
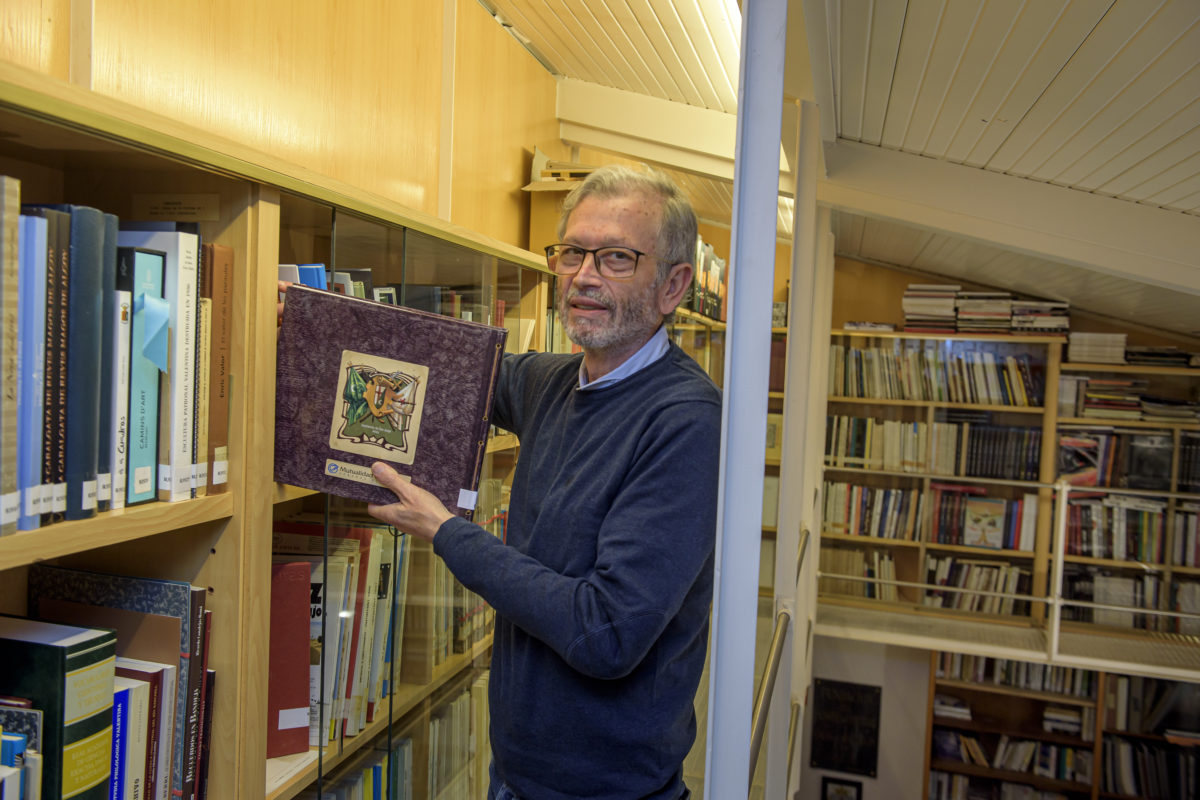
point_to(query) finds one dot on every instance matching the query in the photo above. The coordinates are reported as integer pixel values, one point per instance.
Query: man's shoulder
(685, 380)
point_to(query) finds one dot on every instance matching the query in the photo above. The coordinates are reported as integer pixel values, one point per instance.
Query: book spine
(84, 354)
(58, 263)
(105, 432)
(120, 743)
(33, 365)
(154, 712)
(175, 472)
(144, 271)
(195, 692)
(220, 286)
(10, 266)
(203, 376)
(119, 405)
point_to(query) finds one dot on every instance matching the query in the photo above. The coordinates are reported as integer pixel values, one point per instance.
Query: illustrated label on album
(359, 381)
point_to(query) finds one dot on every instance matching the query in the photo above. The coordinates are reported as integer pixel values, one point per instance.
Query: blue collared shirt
(654, 349)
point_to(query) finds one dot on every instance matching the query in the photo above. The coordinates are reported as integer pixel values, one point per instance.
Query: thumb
(387, 476)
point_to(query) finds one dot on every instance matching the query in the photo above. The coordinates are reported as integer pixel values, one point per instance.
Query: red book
(287, 688)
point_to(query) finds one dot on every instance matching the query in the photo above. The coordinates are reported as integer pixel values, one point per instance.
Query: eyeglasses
(611, 262)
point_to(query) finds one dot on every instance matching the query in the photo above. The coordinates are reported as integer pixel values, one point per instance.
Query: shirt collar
(654, 349)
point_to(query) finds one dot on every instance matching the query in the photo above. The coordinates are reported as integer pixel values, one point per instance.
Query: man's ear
(671, 290)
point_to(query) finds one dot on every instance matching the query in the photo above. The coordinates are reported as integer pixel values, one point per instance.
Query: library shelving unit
(1131, 541)
(936, 452)
(947, 461)
(69, 145)
(1076, 732)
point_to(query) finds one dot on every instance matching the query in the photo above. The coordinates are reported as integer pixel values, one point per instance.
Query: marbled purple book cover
(358, 381)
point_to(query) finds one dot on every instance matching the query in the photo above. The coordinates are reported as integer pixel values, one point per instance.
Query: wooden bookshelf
(67, 144)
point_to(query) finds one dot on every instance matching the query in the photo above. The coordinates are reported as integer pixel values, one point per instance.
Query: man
(602, 590)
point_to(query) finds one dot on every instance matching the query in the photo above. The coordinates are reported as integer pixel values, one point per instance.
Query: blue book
(313, 275)
(32, 376)
(120, 741)
(140, 272)
(84, 329)
(12, 754)
(108, 271)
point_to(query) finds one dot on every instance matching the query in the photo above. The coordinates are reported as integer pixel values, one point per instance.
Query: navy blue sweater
(602, 593)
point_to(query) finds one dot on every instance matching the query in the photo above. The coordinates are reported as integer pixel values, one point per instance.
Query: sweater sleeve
(653, 549)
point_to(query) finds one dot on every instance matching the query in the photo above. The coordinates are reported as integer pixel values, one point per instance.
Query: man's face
(599, 313)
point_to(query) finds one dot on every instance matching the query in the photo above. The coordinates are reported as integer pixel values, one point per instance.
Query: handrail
(758, 725)
(793, 727)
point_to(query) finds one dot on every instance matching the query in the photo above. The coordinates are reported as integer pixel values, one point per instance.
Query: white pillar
(744, 424)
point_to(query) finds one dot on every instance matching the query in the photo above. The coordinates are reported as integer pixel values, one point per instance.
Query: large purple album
(359, 381)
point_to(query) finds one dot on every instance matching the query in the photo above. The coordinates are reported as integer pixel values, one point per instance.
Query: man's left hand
(415, 511)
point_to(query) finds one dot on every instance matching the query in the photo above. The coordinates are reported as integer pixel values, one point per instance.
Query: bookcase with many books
(1013, 729)
(945, 454)
(935, 449)
(213, 547)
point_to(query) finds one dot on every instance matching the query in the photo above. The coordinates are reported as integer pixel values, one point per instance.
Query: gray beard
(631, 319)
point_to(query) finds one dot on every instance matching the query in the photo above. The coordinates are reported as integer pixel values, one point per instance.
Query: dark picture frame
(840, 789)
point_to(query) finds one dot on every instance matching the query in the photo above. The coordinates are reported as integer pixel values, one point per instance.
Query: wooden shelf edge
(110, 527)
(953, 337)
(502, 442)
(1013, 691)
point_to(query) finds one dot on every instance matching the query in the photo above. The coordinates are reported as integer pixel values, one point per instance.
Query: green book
(67, 672)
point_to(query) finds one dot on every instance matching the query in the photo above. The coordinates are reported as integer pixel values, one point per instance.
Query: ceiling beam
(675, 135)
(1134, 241)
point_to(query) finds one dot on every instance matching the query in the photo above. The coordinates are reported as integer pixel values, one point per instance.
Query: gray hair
(677, 235)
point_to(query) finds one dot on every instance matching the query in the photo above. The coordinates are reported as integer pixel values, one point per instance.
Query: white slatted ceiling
(1098, 95)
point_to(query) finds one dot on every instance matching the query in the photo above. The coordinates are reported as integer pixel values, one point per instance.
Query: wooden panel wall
(504, 104)
(349, 90)
(36, 34)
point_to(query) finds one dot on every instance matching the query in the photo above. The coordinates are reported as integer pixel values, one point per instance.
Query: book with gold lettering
(359, 381)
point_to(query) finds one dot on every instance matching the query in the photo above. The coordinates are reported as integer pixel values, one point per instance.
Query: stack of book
(983, 312)
(1040, 317)
(930, 307)
(950, 707)
(1096, 348)
(1112, 398)
(1161, 409)
(1161, 356)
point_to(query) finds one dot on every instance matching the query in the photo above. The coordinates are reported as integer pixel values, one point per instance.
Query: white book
(180, 291)
(121, 356)
(356, 719)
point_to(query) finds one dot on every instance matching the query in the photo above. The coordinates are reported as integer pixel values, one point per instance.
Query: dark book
(67, 672)
(84, 341)
(205, 755)
(54, 401)
(108, 301)
(156, 596)
(359, 381)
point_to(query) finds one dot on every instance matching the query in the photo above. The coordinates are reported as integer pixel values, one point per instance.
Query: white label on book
(104, 484)
(352, 472)
(220, 472)
(33, 499)
(143, 477)
(290, 718)
(88, 500)
(10, 507)
(164, 477)
(200, 475)
(58, 497)
(467, 498)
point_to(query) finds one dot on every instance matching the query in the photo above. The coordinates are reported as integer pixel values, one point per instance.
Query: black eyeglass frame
(595, 253)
